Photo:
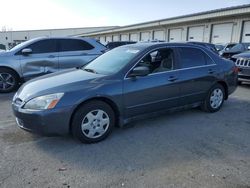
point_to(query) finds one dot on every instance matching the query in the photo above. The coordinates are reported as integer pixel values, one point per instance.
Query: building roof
(223, 12)
(58, 29)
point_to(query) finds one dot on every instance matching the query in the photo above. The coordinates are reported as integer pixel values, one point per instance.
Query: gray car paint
(33, 65)
(129, 97)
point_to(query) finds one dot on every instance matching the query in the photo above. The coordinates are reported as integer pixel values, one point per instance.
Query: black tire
(5, 87)
(207, 106)
(81, 115)
(239, 83)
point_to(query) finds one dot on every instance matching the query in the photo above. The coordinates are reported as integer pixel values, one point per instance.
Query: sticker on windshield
(132, 51)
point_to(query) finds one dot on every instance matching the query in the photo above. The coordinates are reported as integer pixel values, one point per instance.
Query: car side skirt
(125, 122)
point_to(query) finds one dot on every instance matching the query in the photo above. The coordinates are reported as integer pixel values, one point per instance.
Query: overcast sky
(48, 14)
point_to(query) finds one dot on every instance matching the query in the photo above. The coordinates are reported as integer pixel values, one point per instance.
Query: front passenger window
(159, 61)
(44, 46)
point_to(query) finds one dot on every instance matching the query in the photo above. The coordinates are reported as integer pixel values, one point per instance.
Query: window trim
(177, 69)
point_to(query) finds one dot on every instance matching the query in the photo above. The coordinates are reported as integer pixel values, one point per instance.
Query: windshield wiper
(90, 70)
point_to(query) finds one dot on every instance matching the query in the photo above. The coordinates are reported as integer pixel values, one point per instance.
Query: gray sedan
(44, 55)
(124, 84)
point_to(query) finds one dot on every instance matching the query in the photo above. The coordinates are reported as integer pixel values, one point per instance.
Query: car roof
(161, 44)
(200, 43)
(121, 41)
(54, 37)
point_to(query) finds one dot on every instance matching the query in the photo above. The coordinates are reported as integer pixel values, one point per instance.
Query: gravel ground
(189, 148)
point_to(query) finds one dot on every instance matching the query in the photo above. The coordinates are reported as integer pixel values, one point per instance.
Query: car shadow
(184, 137)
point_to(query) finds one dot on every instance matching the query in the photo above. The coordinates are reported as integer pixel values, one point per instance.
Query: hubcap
(216, 98)
(7, 81)
(95, 123)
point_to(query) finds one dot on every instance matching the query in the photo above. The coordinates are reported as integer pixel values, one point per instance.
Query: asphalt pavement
(189, 148)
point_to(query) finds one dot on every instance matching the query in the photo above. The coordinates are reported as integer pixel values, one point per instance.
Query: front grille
(244, 77)
(240, 62)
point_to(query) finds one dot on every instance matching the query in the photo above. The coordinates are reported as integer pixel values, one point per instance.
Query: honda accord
(126, 83)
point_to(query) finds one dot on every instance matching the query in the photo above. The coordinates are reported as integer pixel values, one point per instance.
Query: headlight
(44, 102)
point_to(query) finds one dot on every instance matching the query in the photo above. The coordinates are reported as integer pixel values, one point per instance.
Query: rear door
(42, 60)
(75, 53)
(197, 74)
(157, 91)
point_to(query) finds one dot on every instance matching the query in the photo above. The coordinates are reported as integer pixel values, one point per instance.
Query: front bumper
(45, 122)
(244, 74)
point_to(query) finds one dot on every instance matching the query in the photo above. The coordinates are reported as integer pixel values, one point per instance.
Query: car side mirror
(139, 71)
(248, 48)
(26, 51)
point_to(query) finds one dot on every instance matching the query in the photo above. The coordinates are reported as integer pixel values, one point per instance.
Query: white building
(11, 38)
(217, 26)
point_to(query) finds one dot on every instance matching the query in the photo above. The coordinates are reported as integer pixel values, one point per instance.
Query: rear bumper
(231, 89)
(46, 122)
(232, 83)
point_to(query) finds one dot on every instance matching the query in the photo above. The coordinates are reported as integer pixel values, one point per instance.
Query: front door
(157, 91)
(42, 60)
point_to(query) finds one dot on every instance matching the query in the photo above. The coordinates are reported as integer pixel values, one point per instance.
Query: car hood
(242, 55)
(62, 81)
(4, 53)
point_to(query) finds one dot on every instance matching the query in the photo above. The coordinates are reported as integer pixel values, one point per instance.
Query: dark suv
(112, 45)
(242, 61)
(236, 49)
(126, 83)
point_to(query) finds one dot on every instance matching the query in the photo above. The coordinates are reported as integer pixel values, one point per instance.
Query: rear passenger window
(209, 61)
(74, 45)
(191, 57)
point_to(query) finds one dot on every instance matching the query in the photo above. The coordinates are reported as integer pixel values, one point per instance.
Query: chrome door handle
(172, 78)
(211, 71)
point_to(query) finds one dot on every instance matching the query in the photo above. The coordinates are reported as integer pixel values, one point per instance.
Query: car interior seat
(166, 63)
(147, 62)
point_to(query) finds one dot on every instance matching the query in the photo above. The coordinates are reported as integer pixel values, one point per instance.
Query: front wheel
(93, 122)
(215, 99)
(9, 80)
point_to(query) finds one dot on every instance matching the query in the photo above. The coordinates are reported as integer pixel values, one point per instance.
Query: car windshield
(229, 46)
(219, 47)
(237, 47)
(112, 61)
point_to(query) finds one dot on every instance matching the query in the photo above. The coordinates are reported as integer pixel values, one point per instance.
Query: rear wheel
(215, 99)
(93, 122)
(9, 80)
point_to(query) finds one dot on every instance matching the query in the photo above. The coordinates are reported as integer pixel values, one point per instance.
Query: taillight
(236, 69)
